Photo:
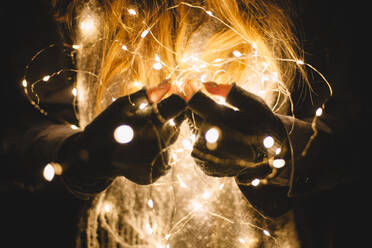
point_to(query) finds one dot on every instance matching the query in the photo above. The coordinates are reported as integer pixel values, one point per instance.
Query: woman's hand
(241, 137)
(129, 138)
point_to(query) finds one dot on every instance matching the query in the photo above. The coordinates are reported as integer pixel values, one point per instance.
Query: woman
(188, 50)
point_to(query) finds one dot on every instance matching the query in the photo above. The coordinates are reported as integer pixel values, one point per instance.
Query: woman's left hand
(241, 137)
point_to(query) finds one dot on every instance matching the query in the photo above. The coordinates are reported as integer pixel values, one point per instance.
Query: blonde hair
(119, 42)
(221, 27)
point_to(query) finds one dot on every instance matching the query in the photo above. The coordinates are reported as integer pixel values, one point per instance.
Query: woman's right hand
(129, 138)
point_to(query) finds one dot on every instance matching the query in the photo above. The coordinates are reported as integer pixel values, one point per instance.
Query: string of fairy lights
(199, 198)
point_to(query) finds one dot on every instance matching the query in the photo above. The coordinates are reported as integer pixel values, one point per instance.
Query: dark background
(47, 216)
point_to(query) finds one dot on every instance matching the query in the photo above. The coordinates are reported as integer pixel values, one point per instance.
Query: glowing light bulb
(171, 123)
(196, 205)
(206, 195)
(167, 236)
(142, 106)
(76, 47)
(268, 142)
(278, 150)
(150, 203)
(278, 163)
(186, 143)
(182, 183)
(74, 127)
(46, 78)
(107, 208)
(237, 54)
(48, 172)
(300, 62)
(144, 33)
(209, 13)
(266, 232)
(132, 11)
(157, 66)
(24, 83)
(212, 135)
(88, 26)
(220, 100)
(123, 134)
(137, 84)
(319, 112)
(255, 182)
(124, 48)
(241, 240)
(74, 91)
(221, 186)
(149, 229)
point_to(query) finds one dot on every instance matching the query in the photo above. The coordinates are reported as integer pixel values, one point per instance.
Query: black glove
(94, 154)
(239, 150)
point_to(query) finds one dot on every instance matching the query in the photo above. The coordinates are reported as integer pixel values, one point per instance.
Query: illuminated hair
(124, 45)
(249, 42)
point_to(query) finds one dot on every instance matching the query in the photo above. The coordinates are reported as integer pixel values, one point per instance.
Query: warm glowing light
(300, 62)
(88, 26)
(266, 232)
(212, 135)
(182, 183)
(196, 205)
(241, 240)
(48, 172)
(144, 33)
(107, 208)
(157, 66)
(24, 83)
(221, 186)
(124, 48)
(237, 53)
(123, 134)
(76, 47)
(268, 142)
(203, 78)
(74, 91)
(46, 78)
(74, 127)
(209, 13)
(149, 229)
(132, 11)
(167, 236)
(278, 150)
(278, 163)
(150, 203)
(186, 143)
(206, 195)
(171, 122)
(319, 112)
(220, 100)
(142, 106)
(256, 182)
(137, 84)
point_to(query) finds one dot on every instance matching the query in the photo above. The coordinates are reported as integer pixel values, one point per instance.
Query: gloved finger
(256, 111)
(224, 152)
(170, 107)
(247, 175)
(245, 100)
(211, 111)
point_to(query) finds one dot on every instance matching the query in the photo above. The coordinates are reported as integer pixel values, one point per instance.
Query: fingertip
(217, 89)
(155, 94)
